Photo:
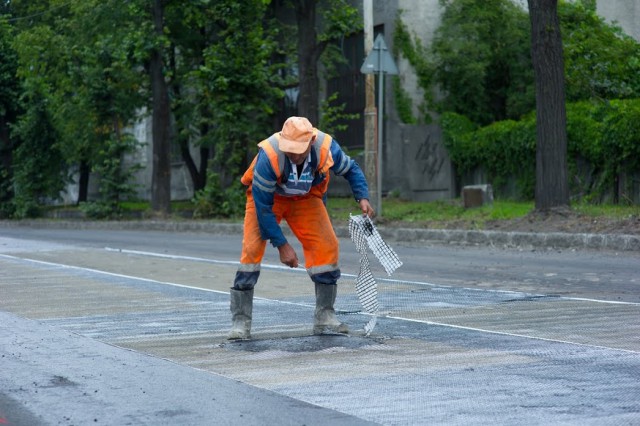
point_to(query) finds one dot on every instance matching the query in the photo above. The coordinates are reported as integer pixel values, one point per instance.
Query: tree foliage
(239, 81)
(74, 78)
(479, 64)
(320, 26)
(42, 172)
(85, 72)
(9, 111)
(603, 144)
(92, 62)
(600, 66)
(601, 61)
(482, 60)
(239, 88)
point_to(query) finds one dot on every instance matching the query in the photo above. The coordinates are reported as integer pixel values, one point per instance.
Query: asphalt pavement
(94, 336)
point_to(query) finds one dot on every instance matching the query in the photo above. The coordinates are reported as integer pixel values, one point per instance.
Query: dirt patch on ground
(561, 221)
(572, 222)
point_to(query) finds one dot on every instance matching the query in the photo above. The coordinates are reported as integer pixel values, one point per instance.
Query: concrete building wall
(181, 185)
(415, 164)
(625, 13)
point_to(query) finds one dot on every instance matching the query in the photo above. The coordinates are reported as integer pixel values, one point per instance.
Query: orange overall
(305, 214)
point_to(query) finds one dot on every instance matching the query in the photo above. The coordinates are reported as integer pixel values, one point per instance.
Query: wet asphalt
(92, 336)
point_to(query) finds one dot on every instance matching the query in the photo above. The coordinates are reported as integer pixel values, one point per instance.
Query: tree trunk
(197, 173)
(5, 146)
(552, 185)
(6, 161)
(83, 181)
(205, 154)
(161, 174)
(308, 55)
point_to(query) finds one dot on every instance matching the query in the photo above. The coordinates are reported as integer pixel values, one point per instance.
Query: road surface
(128, 327)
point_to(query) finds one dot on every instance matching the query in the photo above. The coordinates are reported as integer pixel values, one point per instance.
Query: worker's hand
(288, 255)
(366, 208)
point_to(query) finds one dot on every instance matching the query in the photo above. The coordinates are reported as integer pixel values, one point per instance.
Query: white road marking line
(389, 280)
(504, 333)
(482, 330)
(113, 274)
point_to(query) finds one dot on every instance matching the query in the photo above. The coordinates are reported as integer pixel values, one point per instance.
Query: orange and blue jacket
(270, 170)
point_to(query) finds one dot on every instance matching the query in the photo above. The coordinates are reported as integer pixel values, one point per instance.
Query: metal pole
(380, 116)
(380, 124)
(379, 60)
(370, 145)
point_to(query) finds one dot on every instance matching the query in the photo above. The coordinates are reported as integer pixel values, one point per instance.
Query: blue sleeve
(263, 188)
(345, 166)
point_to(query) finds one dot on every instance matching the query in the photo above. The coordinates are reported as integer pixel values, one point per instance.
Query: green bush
(116, 179)
(621, 143)
(38, 165)
(584, 130)
(505, 150)
(621, 146)
(457, 133)
(216, 201)
(603, 135)
(509, 152)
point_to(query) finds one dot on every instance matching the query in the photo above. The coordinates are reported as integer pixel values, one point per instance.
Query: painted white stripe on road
(481, 330)
(504, 333)
(112, 274)
(388, 280)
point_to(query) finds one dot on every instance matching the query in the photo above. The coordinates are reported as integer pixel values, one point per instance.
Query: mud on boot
(241, 311)
(325, 315)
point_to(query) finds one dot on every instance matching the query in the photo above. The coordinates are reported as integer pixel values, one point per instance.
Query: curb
(551, 240)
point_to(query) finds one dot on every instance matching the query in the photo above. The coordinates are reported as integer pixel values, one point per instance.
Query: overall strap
(270, 147)
(276, 157)
(322, 147)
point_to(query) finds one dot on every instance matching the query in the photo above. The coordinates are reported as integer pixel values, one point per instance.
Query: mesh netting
(364, 234)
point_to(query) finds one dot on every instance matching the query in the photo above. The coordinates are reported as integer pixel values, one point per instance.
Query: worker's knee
(329, 277)
(245, 280)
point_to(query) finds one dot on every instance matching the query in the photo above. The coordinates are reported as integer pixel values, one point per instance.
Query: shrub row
(603, 144)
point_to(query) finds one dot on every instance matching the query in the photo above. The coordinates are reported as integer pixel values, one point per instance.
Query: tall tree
(338, 19)
(240, 84)
(481, 60)
(9, 111)
(237, 89)
(309, 52)
(552, 185)
(89, 74)
(161, 124)
(189, 28)
(38, 167)
(39, 176)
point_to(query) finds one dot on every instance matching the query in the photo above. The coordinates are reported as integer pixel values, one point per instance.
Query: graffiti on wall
(429, 158)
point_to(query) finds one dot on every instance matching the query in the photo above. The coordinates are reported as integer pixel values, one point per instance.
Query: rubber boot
(325, 316)
(241, 310)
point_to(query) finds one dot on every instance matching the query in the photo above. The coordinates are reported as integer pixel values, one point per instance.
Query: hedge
(604, 135)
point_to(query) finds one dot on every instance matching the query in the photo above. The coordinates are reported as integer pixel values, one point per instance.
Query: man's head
(296, 138)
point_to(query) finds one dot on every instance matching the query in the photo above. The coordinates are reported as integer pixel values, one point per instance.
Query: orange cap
(296, 135)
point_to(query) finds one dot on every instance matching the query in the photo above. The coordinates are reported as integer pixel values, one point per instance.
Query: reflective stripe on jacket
(278, 159)
(271, 165)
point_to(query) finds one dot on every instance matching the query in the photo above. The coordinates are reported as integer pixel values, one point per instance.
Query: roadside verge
(498, 239)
